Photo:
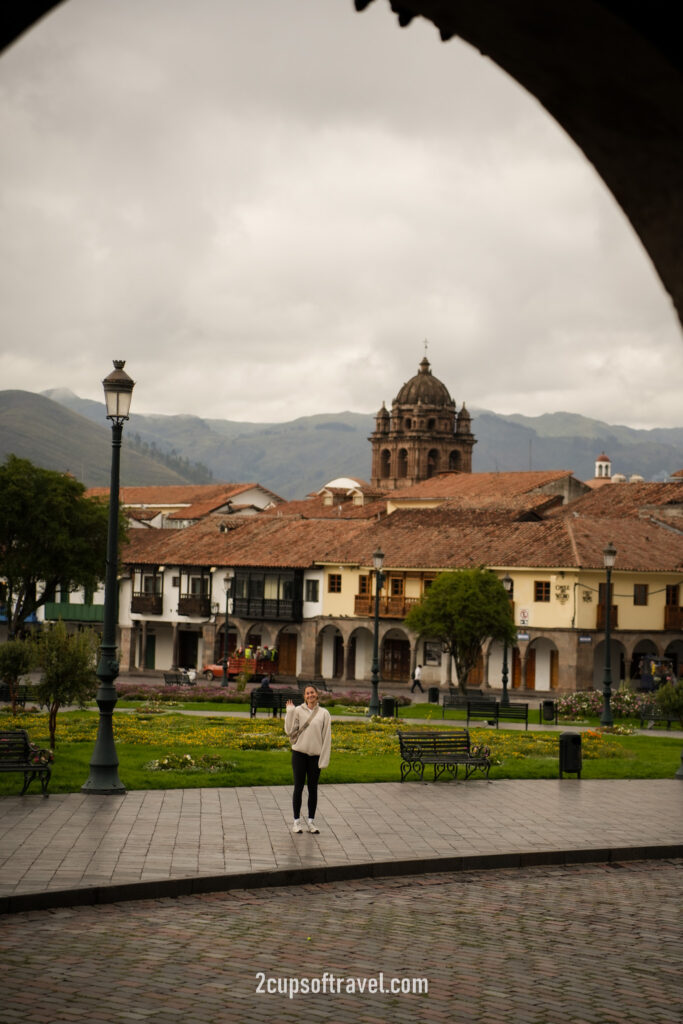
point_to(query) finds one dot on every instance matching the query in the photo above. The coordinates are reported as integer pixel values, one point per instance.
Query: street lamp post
(507, 583)
(609, 557)
(227, 586)
(378, 562)
(104, 776)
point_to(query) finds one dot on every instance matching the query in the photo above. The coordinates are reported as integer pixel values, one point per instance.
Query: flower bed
(589, 703)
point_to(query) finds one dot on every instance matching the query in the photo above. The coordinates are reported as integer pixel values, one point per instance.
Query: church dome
(424, 387)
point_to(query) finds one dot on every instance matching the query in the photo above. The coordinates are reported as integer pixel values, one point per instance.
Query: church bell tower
(423, 435)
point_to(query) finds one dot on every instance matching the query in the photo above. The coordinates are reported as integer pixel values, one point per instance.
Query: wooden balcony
(190, 604)
(389, 607)
(613, 617)
(275, 609)
(673, 617)
(147, 604)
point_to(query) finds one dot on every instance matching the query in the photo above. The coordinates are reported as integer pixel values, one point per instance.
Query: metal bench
(514, 713)
(24, 693)
(446, 751)
(482, 710)
(652, 713)
(18, 754)
(274, 701)
(453, 700)
(179, 678)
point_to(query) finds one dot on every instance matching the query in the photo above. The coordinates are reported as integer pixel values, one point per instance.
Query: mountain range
(58, 430)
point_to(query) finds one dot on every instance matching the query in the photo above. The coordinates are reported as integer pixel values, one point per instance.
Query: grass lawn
(256, 752)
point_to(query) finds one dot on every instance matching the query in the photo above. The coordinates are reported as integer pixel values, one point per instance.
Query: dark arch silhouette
(609, 71)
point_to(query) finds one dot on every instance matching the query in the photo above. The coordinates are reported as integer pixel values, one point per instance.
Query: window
(199, 586)
(672, 595)
(312, 590)
(602, 592)
(334, 583)
(396, 586)
(363, 585)
(151, 583)
(427, 584)
(541, 590)
(640, 593)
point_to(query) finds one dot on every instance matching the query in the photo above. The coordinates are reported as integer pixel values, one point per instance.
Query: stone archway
(394, 656)
(542, 665)
(359, 654)
(330, 653)
(619, 665)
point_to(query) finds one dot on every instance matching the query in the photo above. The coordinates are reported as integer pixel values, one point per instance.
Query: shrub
(670, 699)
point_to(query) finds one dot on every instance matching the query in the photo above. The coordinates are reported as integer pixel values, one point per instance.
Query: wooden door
(531, 669)
(554, 669)
(476, 676)
(395, 660)
(286, 662)
(516, 669)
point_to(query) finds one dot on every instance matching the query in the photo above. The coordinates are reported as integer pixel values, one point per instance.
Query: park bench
(178, 679)
(453, 700)
(274, 701)
(446, 751)
(18, 754)
(482, 710)
(652, 713)
(514, 713)
(23, 694)
(492, 711)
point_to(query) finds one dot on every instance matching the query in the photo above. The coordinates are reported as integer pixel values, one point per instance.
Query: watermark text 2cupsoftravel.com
(337, 984)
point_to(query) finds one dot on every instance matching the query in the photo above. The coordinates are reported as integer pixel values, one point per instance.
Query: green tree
(50, 534)
(16, 659)
(67, 661)
(670, 699)
(463, 610)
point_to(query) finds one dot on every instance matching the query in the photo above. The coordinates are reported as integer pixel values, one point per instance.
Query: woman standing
(309, 728)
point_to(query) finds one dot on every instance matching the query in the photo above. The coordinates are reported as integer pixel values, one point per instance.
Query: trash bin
(433, 694)
(388, 707)
(570, 753)
(548, 710)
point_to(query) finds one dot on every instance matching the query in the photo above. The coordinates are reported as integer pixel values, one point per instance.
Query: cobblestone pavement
(586, 944)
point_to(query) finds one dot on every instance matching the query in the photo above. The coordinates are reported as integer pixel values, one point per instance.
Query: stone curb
(171, 888)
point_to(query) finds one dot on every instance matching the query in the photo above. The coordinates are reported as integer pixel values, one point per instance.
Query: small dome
(425, 388)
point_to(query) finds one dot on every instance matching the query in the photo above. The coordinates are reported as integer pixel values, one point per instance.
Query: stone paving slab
(76, 848)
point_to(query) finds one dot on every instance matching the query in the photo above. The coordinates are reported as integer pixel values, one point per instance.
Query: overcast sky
(266, 207)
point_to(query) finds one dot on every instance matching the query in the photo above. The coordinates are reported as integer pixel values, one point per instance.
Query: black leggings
(306, 771)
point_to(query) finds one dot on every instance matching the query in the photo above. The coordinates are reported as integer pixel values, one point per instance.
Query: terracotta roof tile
(480, 487)
(626, 499)
(412, 540)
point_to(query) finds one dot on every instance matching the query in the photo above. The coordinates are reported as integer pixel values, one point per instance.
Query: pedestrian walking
(309, 728)
(417, 676)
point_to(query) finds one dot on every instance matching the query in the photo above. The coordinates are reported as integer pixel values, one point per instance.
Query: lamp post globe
(609, 556)
(377, 562)
(104, 764)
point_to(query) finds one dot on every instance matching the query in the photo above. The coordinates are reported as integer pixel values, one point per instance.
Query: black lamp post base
(102, 783)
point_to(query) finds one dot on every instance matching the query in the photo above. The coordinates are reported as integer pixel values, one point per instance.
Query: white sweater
(317, 737)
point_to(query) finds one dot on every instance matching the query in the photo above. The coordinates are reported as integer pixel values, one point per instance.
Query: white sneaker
(297, 826)
(312, 827)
